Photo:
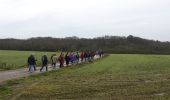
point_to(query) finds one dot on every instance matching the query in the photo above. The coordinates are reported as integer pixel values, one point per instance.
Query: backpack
(44, 58)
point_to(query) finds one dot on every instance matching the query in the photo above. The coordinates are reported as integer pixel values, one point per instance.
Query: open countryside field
(116, 77)
(18, 59)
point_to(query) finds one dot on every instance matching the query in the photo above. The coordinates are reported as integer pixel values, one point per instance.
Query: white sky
(85, 18)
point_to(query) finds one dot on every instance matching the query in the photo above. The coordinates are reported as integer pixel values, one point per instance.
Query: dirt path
(18, 73)
(13, 74)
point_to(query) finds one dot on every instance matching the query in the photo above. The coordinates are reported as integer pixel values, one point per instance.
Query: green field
(18, 59)
(115, 77)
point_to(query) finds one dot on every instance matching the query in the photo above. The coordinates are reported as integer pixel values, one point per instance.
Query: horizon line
(77, 37)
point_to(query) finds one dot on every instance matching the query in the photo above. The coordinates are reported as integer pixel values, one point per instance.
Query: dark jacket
(31, 60)
(67, 58)
(44, 60)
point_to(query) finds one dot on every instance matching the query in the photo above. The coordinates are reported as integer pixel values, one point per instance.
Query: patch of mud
(159, 94)
(148, 81)
(158, 75)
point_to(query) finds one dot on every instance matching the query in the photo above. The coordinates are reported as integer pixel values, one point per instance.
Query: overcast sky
(85, 18)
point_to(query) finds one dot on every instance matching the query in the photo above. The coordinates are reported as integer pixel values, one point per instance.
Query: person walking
(85, 56)
(92, 54)
(88, 56)
(71, 58)
(82, 56)
(61, 60)
(77, 57)
(74, 58)
(31, 63)
(102, 53)
(44, 60)
(67, 59)
(54, 60)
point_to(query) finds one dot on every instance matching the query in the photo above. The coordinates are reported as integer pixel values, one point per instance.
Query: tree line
(109, 44)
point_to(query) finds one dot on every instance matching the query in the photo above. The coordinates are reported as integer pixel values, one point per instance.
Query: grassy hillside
(17, 59)
(116, 77)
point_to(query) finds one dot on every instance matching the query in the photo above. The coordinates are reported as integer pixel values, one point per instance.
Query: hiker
(71, 57)
(97, 53)
(82, 56)
(100, 53)
(74, 58)
(53, 60)
(31, 62)
(77, 57)
(44, 60)
(61, 60)
(88, 56)
(34, 65)
(85, 56)
(67, 59)
(92, 54)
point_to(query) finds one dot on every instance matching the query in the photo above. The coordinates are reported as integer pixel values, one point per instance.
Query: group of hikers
(70, 58)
